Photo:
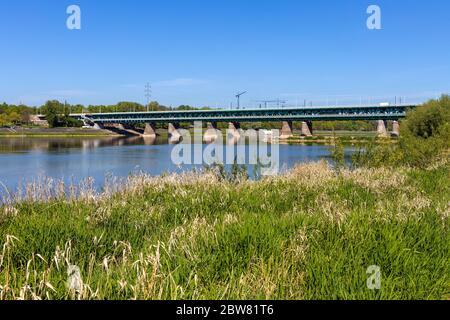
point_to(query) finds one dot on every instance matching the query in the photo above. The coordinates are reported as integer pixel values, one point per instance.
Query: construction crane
(278, 101)
(238, 96)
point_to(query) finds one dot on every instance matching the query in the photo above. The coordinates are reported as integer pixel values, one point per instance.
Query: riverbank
(53, 132)
(319, 136)
(311, 233)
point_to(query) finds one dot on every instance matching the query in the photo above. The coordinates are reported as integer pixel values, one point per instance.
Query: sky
(202, 53)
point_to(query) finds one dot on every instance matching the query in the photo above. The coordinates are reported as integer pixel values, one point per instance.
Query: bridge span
(306, 115)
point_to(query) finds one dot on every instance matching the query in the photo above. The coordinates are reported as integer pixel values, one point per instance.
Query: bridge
(125, 120)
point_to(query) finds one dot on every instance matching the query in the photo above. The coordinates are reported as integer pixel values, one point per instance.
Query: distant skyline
(202, 53)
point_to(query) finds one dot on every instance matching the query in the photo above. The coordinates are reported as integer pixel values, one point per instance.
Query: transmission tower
(148, 94)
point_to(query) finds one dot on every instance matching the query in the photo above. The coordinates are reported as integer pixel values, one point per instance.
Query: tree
(426, 121)
(126, 106)
(25, 115)
(51, 110)
(3, 120)
(153, 106)
(424, 137)
(14, 117)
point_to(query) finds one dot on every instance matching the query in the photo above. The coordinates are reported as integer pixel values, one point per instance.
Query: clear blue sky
(201, 52)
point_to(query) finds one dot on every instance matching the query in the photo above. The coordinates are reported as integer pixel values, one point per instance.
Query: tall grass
(308, 234)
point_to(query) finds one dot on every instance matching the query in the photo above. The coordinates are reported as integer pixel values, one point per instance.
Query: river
(72, 159)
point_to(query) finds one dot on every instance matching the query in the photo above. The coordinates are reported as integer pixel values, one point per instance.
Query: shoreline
(320, 137)
(56, 132)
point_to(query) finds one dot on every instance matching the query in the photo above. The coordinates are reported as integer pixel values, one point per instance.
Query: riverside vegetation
(309, 233)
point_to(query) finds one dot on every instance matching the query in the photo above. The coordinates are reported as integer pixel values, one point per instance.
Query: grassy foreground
(308, 234)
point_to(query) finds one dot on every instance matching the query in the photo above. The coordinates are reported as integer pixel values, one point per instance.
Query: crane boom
(238, 96)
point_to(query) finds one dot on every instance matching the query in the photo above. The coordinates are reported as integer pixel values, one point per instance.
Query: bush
(424, 137)
(428, 120)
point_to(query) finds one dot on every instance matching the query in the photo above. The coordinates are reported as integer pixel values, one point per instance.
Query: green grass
(310, 234)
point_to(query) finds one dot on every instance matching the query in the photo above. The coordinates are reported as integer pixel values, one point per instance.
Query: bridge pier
(149, 130)
(395, 129)
(149, 140)
(128, 129)
(174, 134)
(234, 129)
(120, 126)
(234, 133)
(98, 126)
(307, 129)
(286, 130)
(212, 133)
(382, 129)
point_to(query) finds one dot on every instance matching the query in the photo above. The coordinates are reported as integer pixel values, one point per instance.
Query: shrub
(425, 136)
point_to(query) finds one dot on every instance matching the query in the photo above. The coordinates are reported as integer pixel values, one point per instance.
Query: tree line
(57, 113)
(15, 114)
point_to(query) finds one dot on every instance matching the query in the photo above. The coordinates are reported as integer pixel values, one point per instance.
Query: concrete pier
(234, 129)
(130, 130)
(174, 134)
(307, 129)
(395, 129)
(286, 130)
(382, 129)
(149, 130)
(98, 126)
(234, 133)
(149, 140)
(120, 126)
(211, 133)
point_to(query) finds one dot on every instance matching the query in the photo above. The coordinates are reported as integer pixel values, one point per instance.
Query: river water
(72, 159)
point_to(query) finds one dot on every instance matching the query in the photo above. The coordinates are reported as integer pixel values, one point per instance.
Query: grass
(310, 233)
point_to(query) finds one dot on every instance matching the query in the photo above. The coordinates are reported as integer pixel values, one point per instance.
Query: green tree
(426, 121)
(3, 120)
(25, 115)
(52, 109)
(14, 117)
(424, 137)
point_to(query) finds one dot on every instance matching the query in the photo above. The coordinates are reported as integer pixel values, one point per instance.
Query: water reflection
(11, 145)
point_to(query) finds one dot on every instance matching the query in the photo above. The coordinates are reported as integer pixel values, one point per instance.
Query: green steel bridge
(252, 115)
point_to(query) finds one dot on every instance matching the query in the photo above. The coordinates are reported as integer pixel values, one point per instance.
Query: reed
(310, 233)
